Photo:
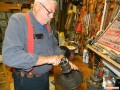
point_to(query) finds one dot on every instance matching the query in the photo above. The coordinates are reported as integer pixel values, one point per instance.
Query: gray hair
(44, 1)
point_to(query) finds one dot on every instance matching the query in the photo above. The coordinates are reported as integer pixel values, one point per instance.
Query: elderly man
(32, 57)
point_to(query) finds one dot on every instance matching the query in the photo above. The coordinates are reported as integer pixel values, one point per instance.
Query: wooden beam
(7, 7)
(5, 1)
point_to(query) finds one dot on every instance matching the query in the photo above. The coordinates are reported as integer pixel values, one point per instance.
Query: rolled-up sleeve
(13, 50)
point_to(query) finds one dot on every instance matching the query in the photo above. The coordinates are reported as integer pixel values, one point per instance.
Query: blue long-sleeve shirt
(14, 50)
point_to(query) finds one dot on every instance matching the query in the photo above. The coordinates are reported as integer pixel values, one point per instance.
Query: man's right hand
(54, 60)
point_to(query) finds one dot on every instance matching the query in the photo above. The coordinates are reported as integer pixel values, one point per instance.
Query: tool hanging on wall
(70, 21)
(109, 13)
(75, 2)
(87, 22)
(79, 27)
(61, 13)
(115, 10)
(104, 15)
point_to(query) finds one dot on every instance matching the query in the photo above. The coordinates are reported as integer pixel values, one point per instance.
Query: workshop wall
(6, 10)
(86, 18)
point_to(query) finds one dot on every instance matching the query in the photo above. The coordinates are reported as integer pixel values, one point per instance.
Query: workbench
(113, 65)
(81, 66)
(117, 65)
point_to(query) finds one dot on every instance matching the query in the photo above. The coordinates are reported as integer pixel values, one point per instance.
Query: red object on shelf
(79, 27)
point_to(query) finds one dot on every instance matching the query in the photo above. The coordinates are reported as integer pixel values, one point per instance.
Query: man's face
(45, 13)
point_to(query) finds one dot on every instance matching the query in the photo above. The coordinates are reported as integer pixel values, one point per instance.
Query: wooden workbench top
(82, 67)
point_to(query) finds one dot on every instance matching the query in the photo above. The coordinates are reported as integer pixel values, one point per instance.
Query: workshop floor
(3, 86)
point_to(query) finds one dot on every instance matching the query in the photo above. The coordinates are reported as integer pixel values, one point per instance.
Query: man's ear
(37, 5)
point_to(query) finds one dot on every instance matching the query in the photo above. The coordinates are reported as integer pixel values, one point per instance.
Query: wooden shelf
(7, 7)
(3, 82)
(117, 65)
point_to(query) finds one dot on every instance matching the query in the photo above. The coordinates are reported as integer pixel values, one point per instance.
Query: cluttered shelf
(83, 68)
(114, 63)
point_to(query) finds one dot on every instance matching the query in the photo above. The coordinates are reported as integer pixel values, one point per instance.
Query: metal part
(69, 79)
(109, 53)
(95, 77)
(94, 82)
(66, 68)
(99, 49)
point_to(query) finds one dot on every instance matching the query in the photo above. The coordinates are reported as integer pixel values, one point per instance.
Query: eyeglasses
(49, 12)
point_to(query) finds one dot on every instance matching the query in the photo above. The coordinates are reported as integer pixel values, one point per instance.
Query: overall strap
(48, 27)
(30, 37)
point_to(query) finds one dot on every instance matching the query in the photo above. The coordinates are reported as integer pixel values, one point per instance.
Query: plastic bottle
(85, 56)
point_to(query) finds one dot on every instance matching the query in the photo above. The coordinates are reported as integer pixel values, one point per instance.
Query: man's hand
(73, 66)
(58, 60)
(54, 60)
